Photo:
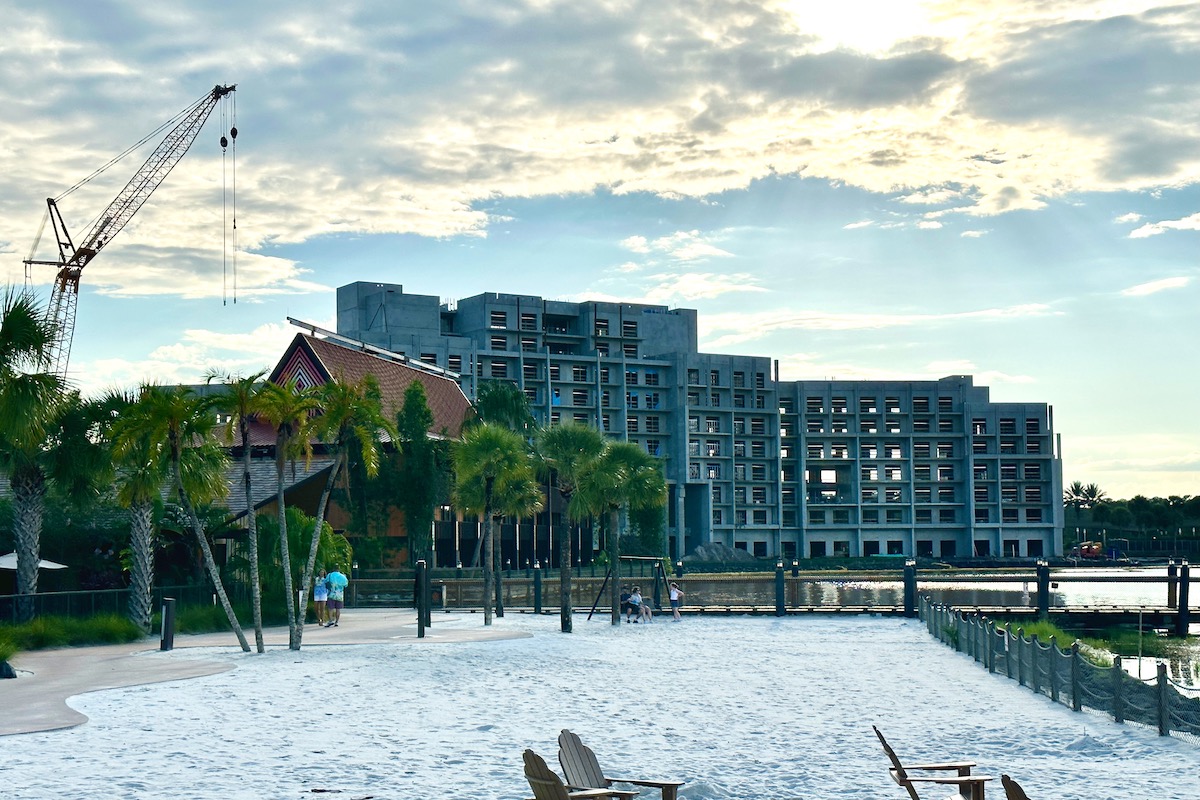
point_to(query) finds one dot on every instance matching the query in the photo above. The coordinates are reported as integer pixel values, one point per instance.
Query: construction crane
(64, 296)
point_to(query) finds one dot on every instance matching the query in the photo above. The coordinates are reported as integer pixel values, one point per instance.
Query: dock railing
(1068, 676)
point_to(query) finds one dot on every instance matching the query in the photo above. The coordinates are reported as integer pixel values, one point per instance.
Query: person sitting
(635, 606)
(625, 602)
(647, 611)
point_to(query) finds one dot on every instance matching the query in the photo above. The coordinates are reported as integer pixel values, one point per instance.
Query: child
(676, 596)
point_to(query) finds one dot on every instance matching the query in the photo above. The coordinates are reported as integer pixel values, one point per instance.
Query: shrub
(43, 632)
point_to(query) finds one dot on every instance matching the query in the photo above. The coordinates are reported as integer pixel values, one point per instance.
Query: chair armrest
(963, 767)
(956, 780)
(588, 793)
(646, 782)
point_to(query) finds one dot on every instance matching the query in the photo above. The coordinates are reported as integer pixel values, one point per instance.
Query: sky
(861, 189)
(449, 718)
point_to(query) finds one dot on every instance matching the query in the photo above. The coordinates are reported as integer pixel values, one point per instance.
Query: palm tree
(185, 423)
(563, 451)
(351, 418)
(240, 401)
(503, 403)
(624, 475)
(494, 477)
(142, 469)
(30, 396)
(287, 409)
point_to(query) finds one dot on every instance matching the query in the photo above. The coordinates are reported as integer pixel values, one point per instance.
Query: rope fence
(1067, 676)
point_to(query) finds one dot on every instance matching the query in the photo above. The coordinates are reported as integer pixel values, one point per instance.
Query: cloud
(929, 225)
(724, 330)
(866, 223)
(1153, 287)
(1132, 216)
(973, 234)
(680, 246)
(188, 359)
(1188, 223)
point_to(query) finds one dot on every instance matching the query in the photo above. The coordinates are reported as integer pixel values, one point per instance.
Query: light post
(445, 512)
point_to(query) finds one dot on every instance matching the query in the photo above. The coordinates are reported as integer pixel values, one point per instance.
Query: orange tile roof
(332, 360)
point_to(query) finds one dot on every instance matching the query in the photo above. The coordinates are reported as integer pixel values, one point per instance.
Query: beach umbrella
(10, 562)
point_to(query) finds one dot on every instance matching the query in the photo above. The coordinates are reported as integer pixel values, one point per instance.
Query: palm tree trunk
(209, 562)
(311, 562)
(488, 552)
(141, 545)
(285, 556)
(564, 579)
(29, 501)
(614, 560)
(252, 537)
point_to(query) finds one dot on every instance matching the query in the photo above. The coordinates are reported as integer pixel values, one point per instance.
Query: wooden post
(990, 632)
(1076, 690)
(780, 609)
(1034, 678)
(910, 588)
(1020, 661)
(1043, 590)
(419, 598)
(1164, 700)
(537, 587)
(1054, 653)
(1118, 678)
(1183, 618)
(1172, 584)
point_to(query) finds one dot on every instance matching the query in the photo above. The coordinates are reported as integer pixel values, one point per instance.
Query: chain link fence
(1068, 676)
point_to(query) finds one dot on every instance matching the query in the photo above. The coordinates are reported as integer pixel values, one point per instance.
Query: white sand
(738, 707)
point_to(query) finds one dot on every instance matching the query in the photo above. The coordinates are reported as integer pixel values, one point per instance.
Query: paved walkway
(36, 699)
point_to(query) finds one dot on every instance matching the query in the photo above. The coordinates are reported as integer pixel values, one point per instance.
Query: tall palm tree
(624, 475)
(142, 469)
(186, 423)
(494, 476)
(240, 402)
(503, 403)
(288, 409)
(563, 451)
(351, 418)
(30, 396)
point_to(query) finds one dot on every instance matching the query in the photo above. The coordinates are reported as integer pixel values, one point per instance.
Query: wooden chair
(1012, 789)
(548, 786)
(580, 766)
(967, 786)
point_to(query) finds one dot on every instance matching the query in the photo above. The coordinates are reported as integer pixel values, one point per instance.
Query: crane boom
(64, 296)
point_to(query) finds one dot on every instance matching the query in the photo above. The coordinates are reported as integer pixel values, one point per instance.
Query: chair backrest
(1012, 789)
(579, 763)
(542, 780)
(897, 768)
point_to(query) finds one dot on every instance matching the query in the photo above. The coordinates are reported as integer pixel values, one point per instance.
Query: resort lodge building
(785, 469)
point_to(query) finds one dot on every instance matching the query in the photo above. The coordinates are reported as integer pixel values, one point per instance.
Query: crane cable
(225, 143)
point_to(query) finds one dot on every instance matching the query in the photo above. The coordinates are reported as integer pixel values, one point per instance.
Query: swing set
(656, 570)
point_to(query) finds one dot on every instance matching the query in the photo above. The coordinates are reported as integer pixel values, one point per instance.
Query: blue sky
(860, 189)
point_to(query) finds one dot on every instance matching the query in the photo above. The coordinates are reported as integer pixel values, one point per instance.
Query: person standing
(320, 596)
(676, 596)
(337, 593)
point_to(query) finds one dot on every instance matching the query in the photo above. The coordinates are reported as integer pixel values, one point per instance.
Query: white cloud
(680, 246)
(1189, 223)
(724, 330)
(1132, 216)
(1153, 287)
(637, 244)
(929, 225)
(866, 223)
(973, 234)
(692, 286)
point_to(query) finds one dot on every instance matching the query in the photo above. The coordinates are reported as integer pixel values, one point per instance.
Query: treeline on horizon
(1087, 505)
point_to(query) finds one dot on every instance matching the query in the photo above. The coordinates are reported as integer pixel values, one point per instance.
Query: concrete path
(36, 699)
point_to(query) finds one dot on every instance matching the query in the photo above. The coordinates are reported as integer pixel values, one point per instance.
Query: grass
(44, 632)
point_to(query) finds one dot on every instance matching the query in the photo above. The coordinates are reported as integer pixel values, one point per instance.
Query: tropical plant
(30, 396)
(142, 469)
(500, 402)
(185, 424)
(422, 471)
(623, 476)
(287, 408)
(493, 477)
(332, 549)
(563, 451)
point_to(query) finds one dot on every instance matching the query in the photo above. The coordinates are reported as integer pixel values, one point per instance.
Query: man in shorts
(337, 592)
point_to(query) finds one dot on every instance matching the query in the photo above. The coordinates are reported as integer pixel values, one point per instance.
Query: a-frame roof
(311, 361)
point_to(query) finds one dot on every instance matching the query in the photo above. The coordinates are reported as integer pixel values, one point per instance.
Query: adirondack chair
(967, 786)
(548, 786)
(1012, 789)
(582, 769)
